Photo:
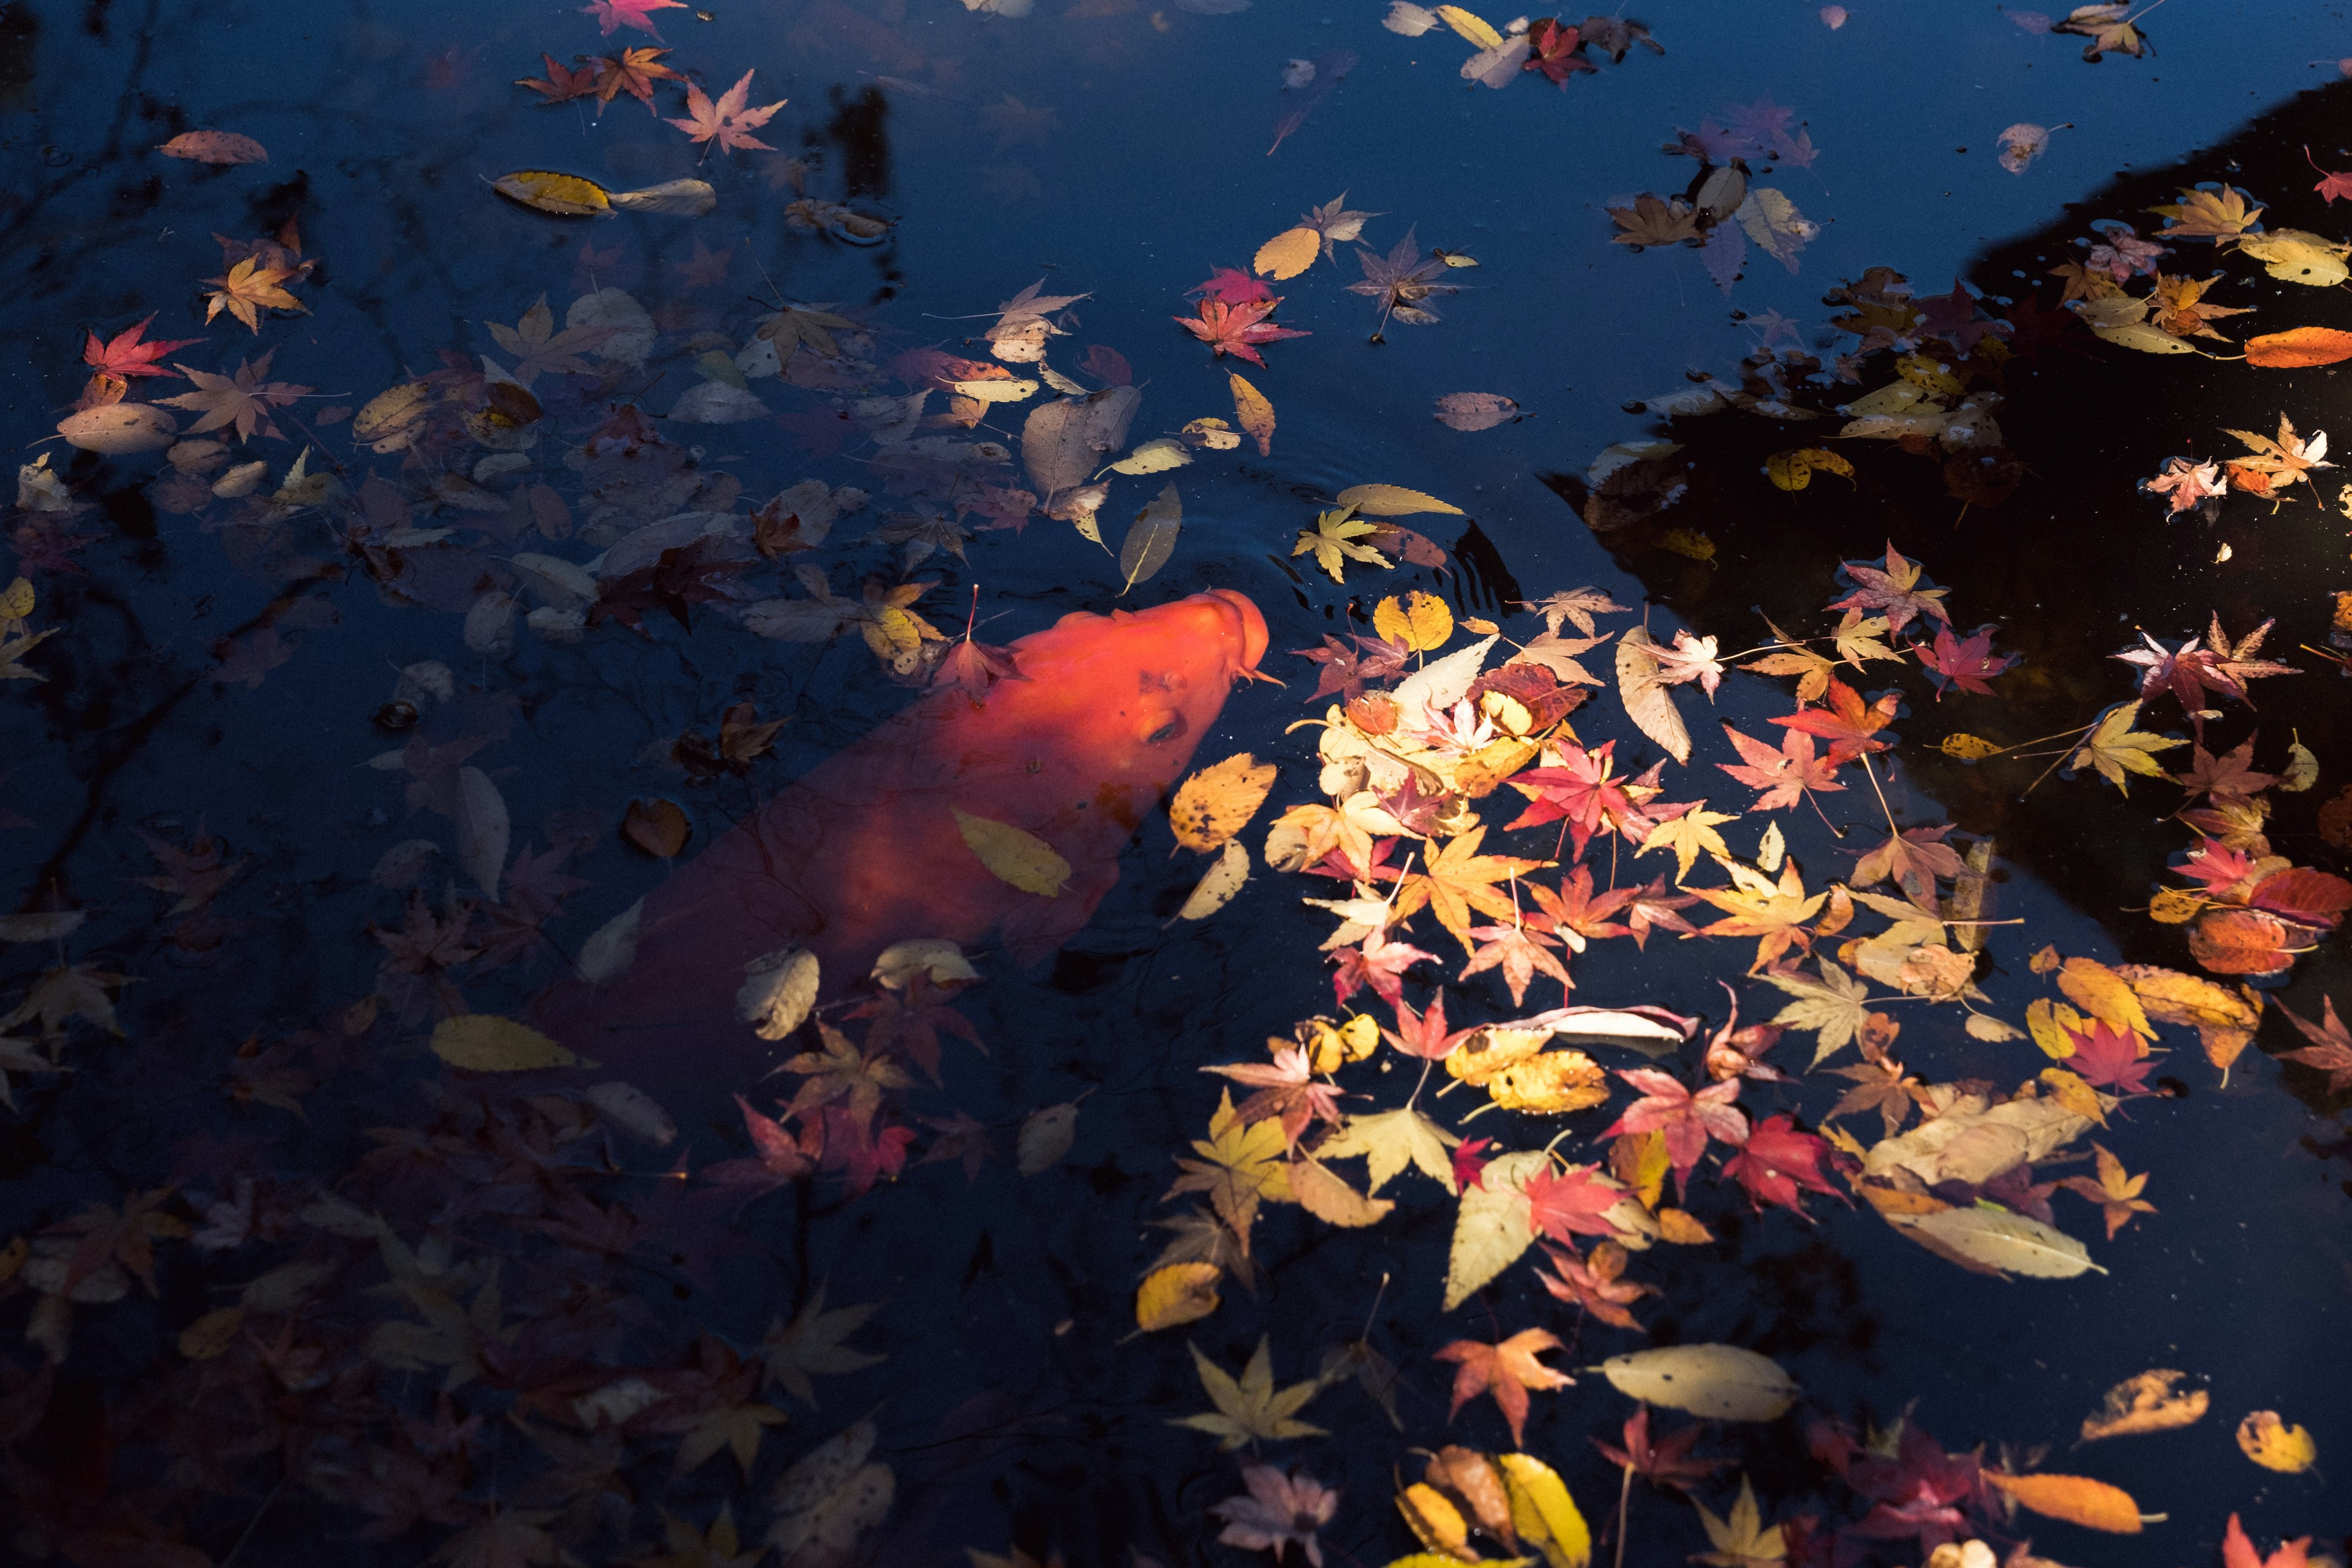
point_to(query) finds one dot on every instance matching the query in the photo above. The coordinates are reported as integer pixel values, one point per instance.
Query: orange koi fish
(865, 849)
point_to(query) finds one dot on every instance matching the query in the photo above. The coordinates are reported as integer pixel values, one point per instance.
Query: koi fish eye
(1163, 728)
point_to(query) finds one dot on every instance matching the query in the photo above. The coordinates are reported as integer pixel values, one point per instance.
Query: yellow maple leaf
(1772, 912)
(1687, 835)
(2115, 748)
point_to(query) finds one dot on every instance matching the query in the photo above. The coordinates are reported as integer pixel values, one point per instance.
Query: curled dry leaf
(2153, 1401)
(1476, 410)
(1179, 1293)
(2273, 1445)
(214, 147)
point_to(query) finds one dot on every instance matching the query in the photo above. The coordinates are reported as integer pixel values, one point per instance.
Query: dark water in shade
(1117, 151)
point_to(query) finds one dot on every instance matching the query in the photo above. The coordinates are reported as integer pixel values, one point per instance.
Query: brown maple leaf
(2330, 1050)
(1400, 281)
(1652, 221)
(633, 72)
(2284, 459)
(1507, 1371)
(243, 400)
(1595, 1284)
(560, 84)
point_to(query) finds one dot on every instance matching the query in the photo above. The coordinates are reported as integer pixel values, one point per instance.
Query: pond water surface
(392, 1162)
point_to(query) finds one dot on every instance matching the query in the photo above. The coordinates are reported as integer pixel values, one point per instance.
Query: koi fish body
(865, 849)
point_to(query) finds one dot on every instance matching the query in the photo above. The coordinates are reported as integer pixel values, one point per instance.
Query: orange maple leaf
(1459, 879)
(1507, 1371)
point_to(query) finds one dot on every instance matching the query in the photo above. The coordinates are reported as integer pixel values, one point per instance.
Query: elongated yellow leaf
(1218, 884)
(564, 195)
(1719, 1383)
(1255, 413)
(1473, 29)
(1020, 857)
(1153, 538)
(1392, 501)
(484, 1042)
(1543, 1513)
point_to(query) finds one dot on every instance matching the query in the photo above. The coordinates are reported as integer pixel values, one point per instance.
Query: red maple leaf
(1965, 663)
(2222, 666)
(1572, 1203)
(1236, 329)
(1783, 775)
(2330, 187)
(1847, 724)
(778, 1157)
(1555, 50)
(2216, 865)
(1470, 1163)
(1777, 1161)
(1688, 1120)
(613, 13)
(1423, 1034)
(1233, 286)
(125, 355)
(1666, 1463)
(2110, 1058)
(862, 1154)
(1580, 790)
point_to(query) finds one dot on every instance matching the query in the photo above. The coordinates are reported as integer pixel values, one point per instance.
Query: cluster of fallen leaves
(1722, 211)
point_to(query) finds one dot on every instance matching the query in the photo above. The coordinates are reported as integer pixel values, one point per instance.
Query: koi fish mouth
(1248, 624)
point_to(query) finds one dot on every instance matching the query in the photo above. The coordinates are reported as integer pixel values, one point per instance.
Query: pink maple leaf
(612, 14)
(1572, 1202)
(727, 124)
(1687, 1119)
(1966, 663)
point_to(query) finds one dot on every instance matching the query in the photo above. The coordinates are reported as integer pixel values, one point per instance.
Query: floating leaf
(1046, 1137)
(1494, 1227)
(1217, 802)
(484, 1042)
(482, 828)
(1476, 410)
(115, 428)
(1543, 1513)
(214, 147)
(1473, 29)
(2298, 347)
(546, 191)
(1020, 857)
(1718, 1383)
(2151, 1402)
(1333, 1201)
(1995, 1241)
(1179, 1293)
(1218, 884)
(1152, 539)
(1968, 748)
(1420, 621)
(1254, 413)
(1641, 683)
(1153, 456)
(778, 990)
(2273, 1445)
(1287, 254)
(2077, 1499)
(1392, 501)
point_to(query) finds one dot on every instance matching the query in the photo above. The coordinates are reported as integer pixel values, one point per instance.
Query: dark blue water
(487, 1324)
